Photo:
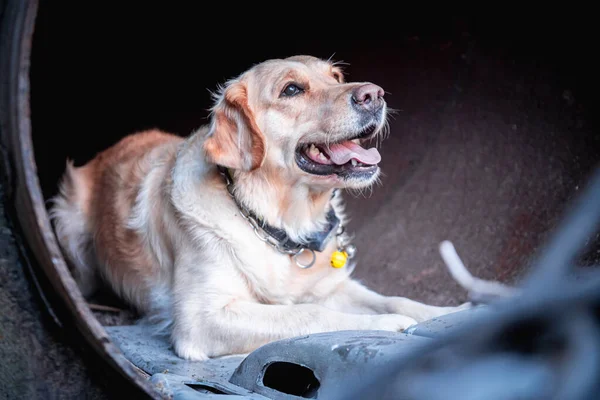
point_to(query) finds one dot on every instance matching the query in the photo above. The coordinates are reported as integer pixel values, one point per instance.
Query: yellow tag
(338, 259)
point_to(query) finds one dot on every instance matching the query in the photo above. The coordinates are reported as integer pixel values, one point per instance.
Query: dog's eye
(292, 90)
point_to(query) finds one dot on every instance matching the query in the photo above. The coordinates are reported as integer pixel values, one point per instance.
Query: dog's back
(93, 196)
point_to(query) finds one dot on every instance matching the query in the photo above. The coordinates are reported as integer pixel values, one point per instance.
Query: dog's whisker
(340, 62)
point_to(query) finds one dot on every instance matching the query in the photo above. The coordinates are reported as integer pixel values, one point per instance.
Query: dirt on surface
(39, 360)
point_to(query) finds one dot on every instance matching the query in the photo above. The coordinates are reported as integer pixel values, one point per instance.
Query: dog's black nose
(368, 97)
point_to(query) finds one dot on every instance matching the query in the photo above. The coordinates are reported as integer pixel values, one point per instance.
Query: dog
(235, 235)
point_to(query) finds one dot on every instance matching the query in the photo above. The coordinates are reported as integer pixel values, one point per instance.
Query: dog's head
(298, 117)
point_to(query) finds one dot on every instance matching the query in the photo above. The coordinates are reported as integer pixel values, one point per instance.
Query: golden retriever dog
(235, 235)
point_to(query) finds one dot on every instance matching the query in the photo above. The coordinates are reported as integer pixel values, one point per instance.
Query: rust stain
(424, 273)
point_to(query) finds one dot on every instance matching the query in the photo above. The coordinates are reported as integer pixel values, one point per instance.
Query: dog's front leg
(353, 297)
(215, 316)
(243, 325)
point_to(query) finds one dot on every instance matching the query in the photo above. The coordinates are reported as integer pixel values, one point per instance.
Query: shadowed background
(494, 128)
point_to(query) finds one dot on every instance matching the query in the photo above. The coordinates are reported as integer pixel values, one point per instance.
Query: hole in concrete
(291, 379)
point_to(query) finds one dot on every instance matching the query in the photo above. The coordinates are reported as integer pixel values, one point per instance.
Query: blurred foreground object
(540, 342)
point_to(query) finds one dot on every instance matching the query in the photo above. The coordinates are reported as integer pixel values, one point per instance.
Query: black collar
(317, 241)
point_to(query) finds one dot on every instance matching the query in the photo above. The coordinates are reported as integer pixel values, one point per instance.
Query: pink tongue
(341, 153)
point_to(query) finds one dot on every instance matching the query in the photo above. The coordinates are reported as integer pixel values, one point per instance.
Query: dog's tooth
(322, 157)
(354, 162)
(314, 150)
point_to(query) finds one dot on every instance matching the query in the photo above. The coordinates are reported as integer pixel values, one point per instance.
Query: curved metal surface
(332, 357)
(18, 20)
(313, 365)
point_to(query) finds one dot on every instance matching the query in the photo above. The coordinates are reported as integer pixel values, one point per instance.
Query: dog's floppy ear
(234, 140)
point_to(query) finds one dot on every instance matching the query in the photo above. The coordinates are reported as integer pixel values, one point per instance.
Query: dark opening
(292, 379)
(534, 335)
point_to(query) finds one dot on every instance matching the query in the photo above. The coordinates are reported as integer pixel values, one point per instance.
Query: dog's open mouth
(345, 158)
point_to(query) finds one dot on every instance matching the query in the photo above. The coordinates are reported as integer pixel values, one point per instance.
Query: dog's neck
(296, 208)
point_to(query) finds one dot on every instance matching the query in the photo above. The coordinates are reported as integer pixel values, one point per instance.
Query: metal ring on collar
(314, 259)
(258, 235)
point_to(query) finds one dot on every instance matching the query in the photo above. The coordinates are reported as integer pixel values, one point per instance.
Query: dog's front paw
(189, 351)
(391, 322)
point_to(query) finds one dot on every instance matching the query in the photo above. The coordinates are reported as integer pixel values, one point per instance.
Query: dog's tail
(70, 214)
